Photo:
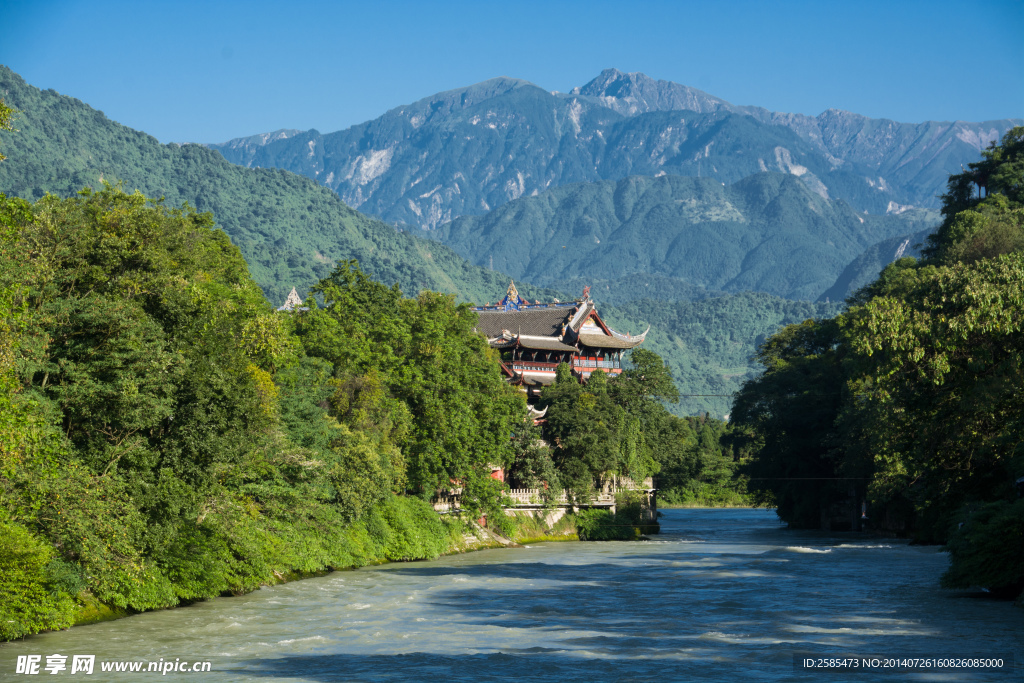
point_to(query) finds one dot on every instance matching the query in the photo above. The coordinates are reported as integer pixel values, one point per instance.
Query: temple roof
(586, 307)
(549, 327)
(541, 321)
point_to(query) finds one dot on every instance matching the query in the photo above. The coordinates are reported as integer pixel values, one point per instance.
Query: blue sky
(208, 72)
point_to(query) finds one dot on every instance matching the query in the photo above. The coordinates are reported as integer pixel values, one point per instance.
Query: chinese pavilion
(534, 338)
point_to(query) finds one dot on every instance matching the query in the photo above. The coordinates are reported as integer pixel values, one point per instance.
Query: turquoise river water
(720, 595)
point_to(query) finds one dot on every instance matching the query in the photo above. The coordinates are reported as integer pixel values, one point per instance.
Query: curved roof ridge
(630, 338)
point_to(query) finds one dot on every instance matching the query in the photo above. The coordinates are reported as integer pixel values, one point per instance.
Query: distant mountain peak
(255, 142)
(637, 93)
(472, 94)
(487, 88)
(444, 103)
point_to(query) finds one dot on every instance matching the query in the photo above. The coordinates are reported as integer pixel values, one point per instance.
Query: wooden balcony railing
(536, 366)
(594, 362)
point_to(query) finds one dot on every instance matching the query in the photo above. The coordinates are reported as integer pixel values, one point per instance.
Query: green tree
(142, 353)
(533, 466)
(935, 373)
(416, 369)
(647, 380)
(616, 426)
(29, 600)
(791, 409)
(983, 208)
(583, 425)
(915, 390)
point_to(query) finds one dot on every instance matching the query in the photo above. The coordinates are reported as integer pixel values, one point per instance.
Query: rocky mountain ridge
(846, 137)
(469, 150)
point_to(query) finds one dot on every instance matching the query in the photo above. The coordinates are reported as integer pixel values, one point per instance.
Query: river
(719, 595)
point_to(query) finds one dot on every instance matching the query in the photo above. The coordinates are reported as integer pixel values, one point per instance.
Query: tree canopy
(914, 393)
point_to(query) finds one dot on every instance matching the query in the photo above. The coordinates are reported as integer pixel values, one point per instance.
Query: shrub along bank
(627, 523)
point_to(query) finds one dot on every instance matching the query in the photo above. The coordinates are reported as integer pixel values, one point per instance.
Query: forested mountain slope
(710, 345)
(467, 151)
(290, 230)
(864, 269)
(768, 232)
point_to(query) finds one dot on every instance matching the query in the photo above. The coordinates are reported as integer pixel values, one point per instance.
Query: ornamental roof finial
(512, 301)
(293, 302)
(586, 293)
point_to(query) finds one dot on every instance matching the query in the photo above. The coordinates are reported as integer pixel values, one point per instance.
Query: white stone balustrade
(603, 495)
(533, 497)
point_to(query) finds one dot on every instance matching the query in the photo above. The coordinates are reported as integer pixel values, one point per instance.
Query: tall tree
(792, 408)
(416, 368)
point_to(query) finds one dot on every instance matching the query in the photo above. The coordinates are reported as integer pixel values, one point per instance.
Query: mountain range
(470, 150)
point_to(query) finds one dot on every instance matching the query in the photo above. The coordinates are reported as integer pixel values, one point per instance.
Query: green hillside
(864, 269)
(767, 232)
(290, 230)
(635, 286)
(710, 344)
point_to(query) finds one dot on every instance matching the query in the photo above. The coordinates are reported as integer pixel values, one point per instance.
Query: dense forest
(621, 425)
(911, 400)
(166, 436)
(710, 344)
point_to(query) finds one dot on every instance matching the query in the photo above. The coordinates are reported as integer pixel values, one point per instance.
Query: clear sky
(211, 71)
